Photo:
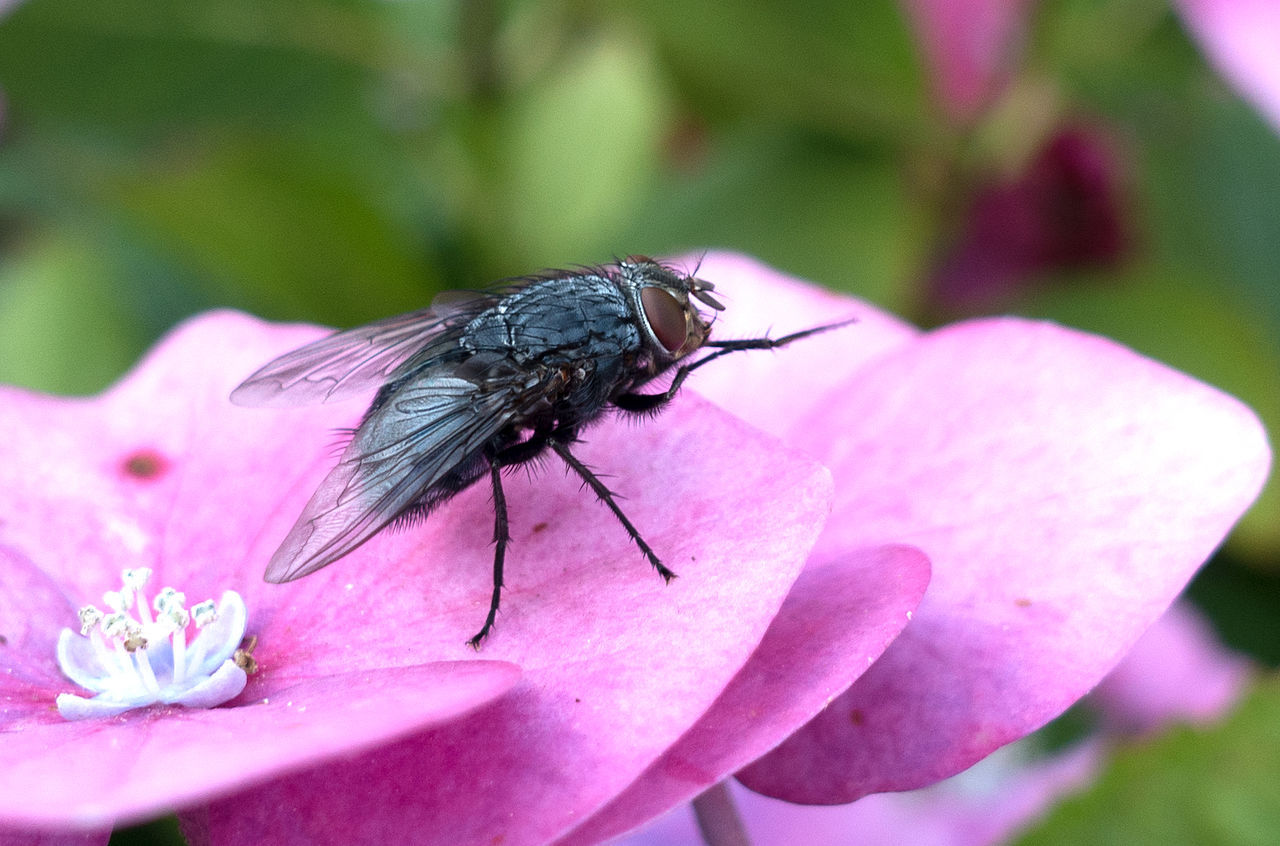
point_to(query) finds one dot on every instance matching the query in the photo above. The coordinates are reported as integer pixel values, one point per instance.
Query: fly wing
(428, 430)
(359, 360)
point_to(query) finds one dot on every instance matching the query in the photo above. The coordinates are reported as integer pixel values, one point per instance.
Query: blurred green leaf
(1217, 785)
(162, 832)
(255, 148)
(1101, 48)
(1215, 194)
(283, 230)
(815, 208)
(846, 68)
(1243, 601)
(574, 156)
(145, 69)
(63, 329)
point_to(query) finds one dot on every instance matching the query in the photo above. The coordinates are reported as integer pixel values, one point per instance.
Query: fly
(492, 380)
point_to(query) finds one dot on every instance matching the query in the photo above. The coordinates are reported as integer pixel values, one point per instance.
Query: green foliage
(1145, 796)
(61, 288)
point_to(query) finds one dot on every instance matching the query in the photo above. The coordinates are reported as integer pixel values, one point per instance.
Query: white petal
(73, 707)
(226, 683)
(219, 640)
(82, 662)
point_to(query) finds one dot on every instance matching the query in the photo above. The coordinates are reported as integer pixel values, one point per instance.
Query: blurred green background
(340, 160)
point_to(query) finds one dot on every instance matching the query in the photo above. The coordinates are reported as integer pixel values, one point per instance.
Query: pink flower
(1063, 488)
(1240, 38)
(609, 666)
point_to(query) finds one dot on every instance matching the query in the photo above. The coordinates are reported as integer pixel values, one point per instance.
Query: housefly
(487, 381)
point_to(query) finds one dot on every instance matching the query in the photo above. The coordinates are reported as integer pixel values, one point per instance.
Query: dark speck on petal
(145, 464)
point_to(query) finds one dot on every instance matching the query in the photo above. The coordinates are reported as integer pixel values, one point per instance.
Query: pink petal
(837, 620)
(1240, 37)
(1064, 488)
(145, 763)
(710, 494)
(972, 46)
(1176, 671)
(160, 471)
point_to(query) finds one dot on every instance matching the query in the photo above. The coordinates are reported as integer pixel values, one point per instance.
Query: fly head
(663, 300)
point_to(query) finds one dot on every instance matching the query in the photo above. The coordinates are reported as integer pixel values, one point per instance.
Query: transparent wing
(359, 360)
(429, 431)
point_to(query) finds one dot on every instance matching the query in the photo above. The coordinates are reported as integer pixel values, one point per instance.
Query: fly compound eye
(666, 318)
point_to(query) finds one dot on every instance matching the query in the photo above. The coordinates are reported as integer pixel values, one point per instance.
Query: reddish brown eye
(665, 316)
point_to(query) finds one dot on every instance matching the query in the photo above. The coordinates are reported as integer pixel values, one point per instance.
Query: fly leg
(647, 403)
(561, 446)
(501, 536)
(767, 343)
(507, 456)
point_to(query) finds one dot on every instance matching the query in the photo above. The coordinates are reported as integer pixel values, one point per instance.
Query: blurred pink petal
(1064, 490)
(1241, 39)
(971, 46)
(1177, 671)
(16, 837)
(984, 805)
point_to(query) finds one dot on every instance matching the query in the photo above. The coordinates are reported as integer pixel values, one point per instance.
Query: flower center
(130, 658)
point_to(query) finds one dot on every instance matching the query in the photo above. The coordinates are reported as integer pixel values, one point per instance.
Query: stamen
(130, 659)
(89, 618)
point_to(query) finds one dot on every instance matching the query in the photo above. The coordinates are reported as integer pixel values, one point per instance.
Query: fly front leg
(767, 343)
(652, 403)
(605, 495)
